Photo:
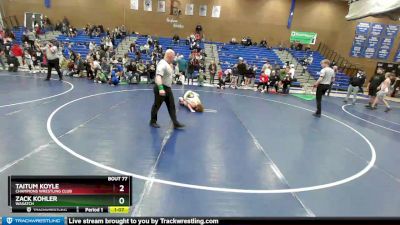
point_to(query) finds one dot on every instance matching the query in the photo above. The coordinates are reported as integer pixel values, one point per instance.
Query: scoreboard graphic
(69, 194)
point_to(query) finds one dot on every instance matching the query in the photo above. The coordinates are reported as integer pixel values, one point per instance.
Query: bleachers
(253, 55)
(18, 34)
(166, 43)
(83, 41)
(342, 80)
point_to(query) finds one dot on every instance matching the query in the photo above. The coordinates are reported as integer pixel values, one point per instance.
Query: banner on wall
(363, 28)
(161, 6)
(371, 47)
(397, 56)
(148, 5)
(363, 8)
(189, 11)
(377, 29)
(47, 3)
(308, 38)
(216, 11)
(384, 48)
(358, 45)
(135, 4)
(203, 10)
(392, 30)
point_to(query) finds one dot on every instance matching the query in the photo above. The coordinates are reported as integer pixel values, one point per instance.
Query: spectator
(242, 70)
(17, 52)
(12, 62)
(201, 78)
(373, 85)
(263, 43)
(356, 82)
(264, 79)
(212, 68)
(292, 72)
(175, 39)
(274, 80)
(286, 85)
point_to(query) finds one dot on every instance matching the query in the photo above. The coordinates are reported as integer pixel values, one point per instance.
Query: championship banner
(384, 48)
(135, 4)
(161, 6)
(148, 5)
(372, 47)
(363, 28)
(357, 48)
(216, 11)
(377, 29)
(189, 11)
(392, 30)
(397, 56)
(47, 3)
(203, 10)
(308, 38)
(363, 8)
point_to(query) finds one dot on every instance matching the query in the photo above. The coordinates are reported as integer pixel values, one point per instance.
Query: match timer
(87, 194)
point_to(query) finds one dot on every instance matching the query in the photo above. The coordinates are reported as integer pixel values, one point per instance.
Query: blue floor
(253, 155)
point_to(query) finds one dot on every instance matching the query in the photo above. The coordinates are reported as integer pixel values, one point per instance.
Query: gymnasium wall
(256, 18)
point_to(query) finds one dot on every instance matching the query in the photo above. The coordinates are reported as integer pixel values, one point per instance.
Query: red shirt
(17, 50)
(264, 78)
(220, 74)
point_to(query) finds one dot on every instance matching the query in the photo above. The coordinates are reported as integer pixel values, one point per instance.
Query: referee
(162, 90)
(326, 76)
(52, 60)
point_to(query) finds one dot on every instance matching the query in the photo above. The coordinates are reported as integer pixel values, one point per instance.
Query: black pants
(221, 83)
(54, 63)
(330, 88)
(263, 86)
(169, 101)
(321, 90)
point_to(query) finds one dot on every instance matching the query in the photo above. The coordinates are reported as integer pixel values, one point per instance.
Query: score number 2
(121, 200)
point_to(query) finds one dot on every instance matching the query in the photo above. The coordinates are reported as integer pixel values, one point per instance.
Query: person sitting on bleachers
(79, 65)
(150, 41)
(12, 62)
(126, 60)
(132, 47)
(299, 46)
(132, 73)
(286, 84)
(141, 69)
(274, 80)
(248, 41)
(263, 83)
(151, 69)
(175, 39)
(263, 43)
(108, 44)
(244, 41)
(233, 41)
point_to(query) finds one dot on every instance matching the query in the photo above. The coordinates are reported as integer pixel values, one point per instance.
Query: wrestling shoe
(317, 115)
(154, 125)
(178, 126)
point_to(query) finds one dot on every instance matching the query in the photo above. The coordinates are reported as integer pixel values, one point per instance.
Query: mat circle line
(210, 188)
(39, 99)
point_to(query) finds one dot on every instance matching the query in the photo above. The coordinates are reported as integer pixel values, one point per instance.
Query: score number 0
(121, 199)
